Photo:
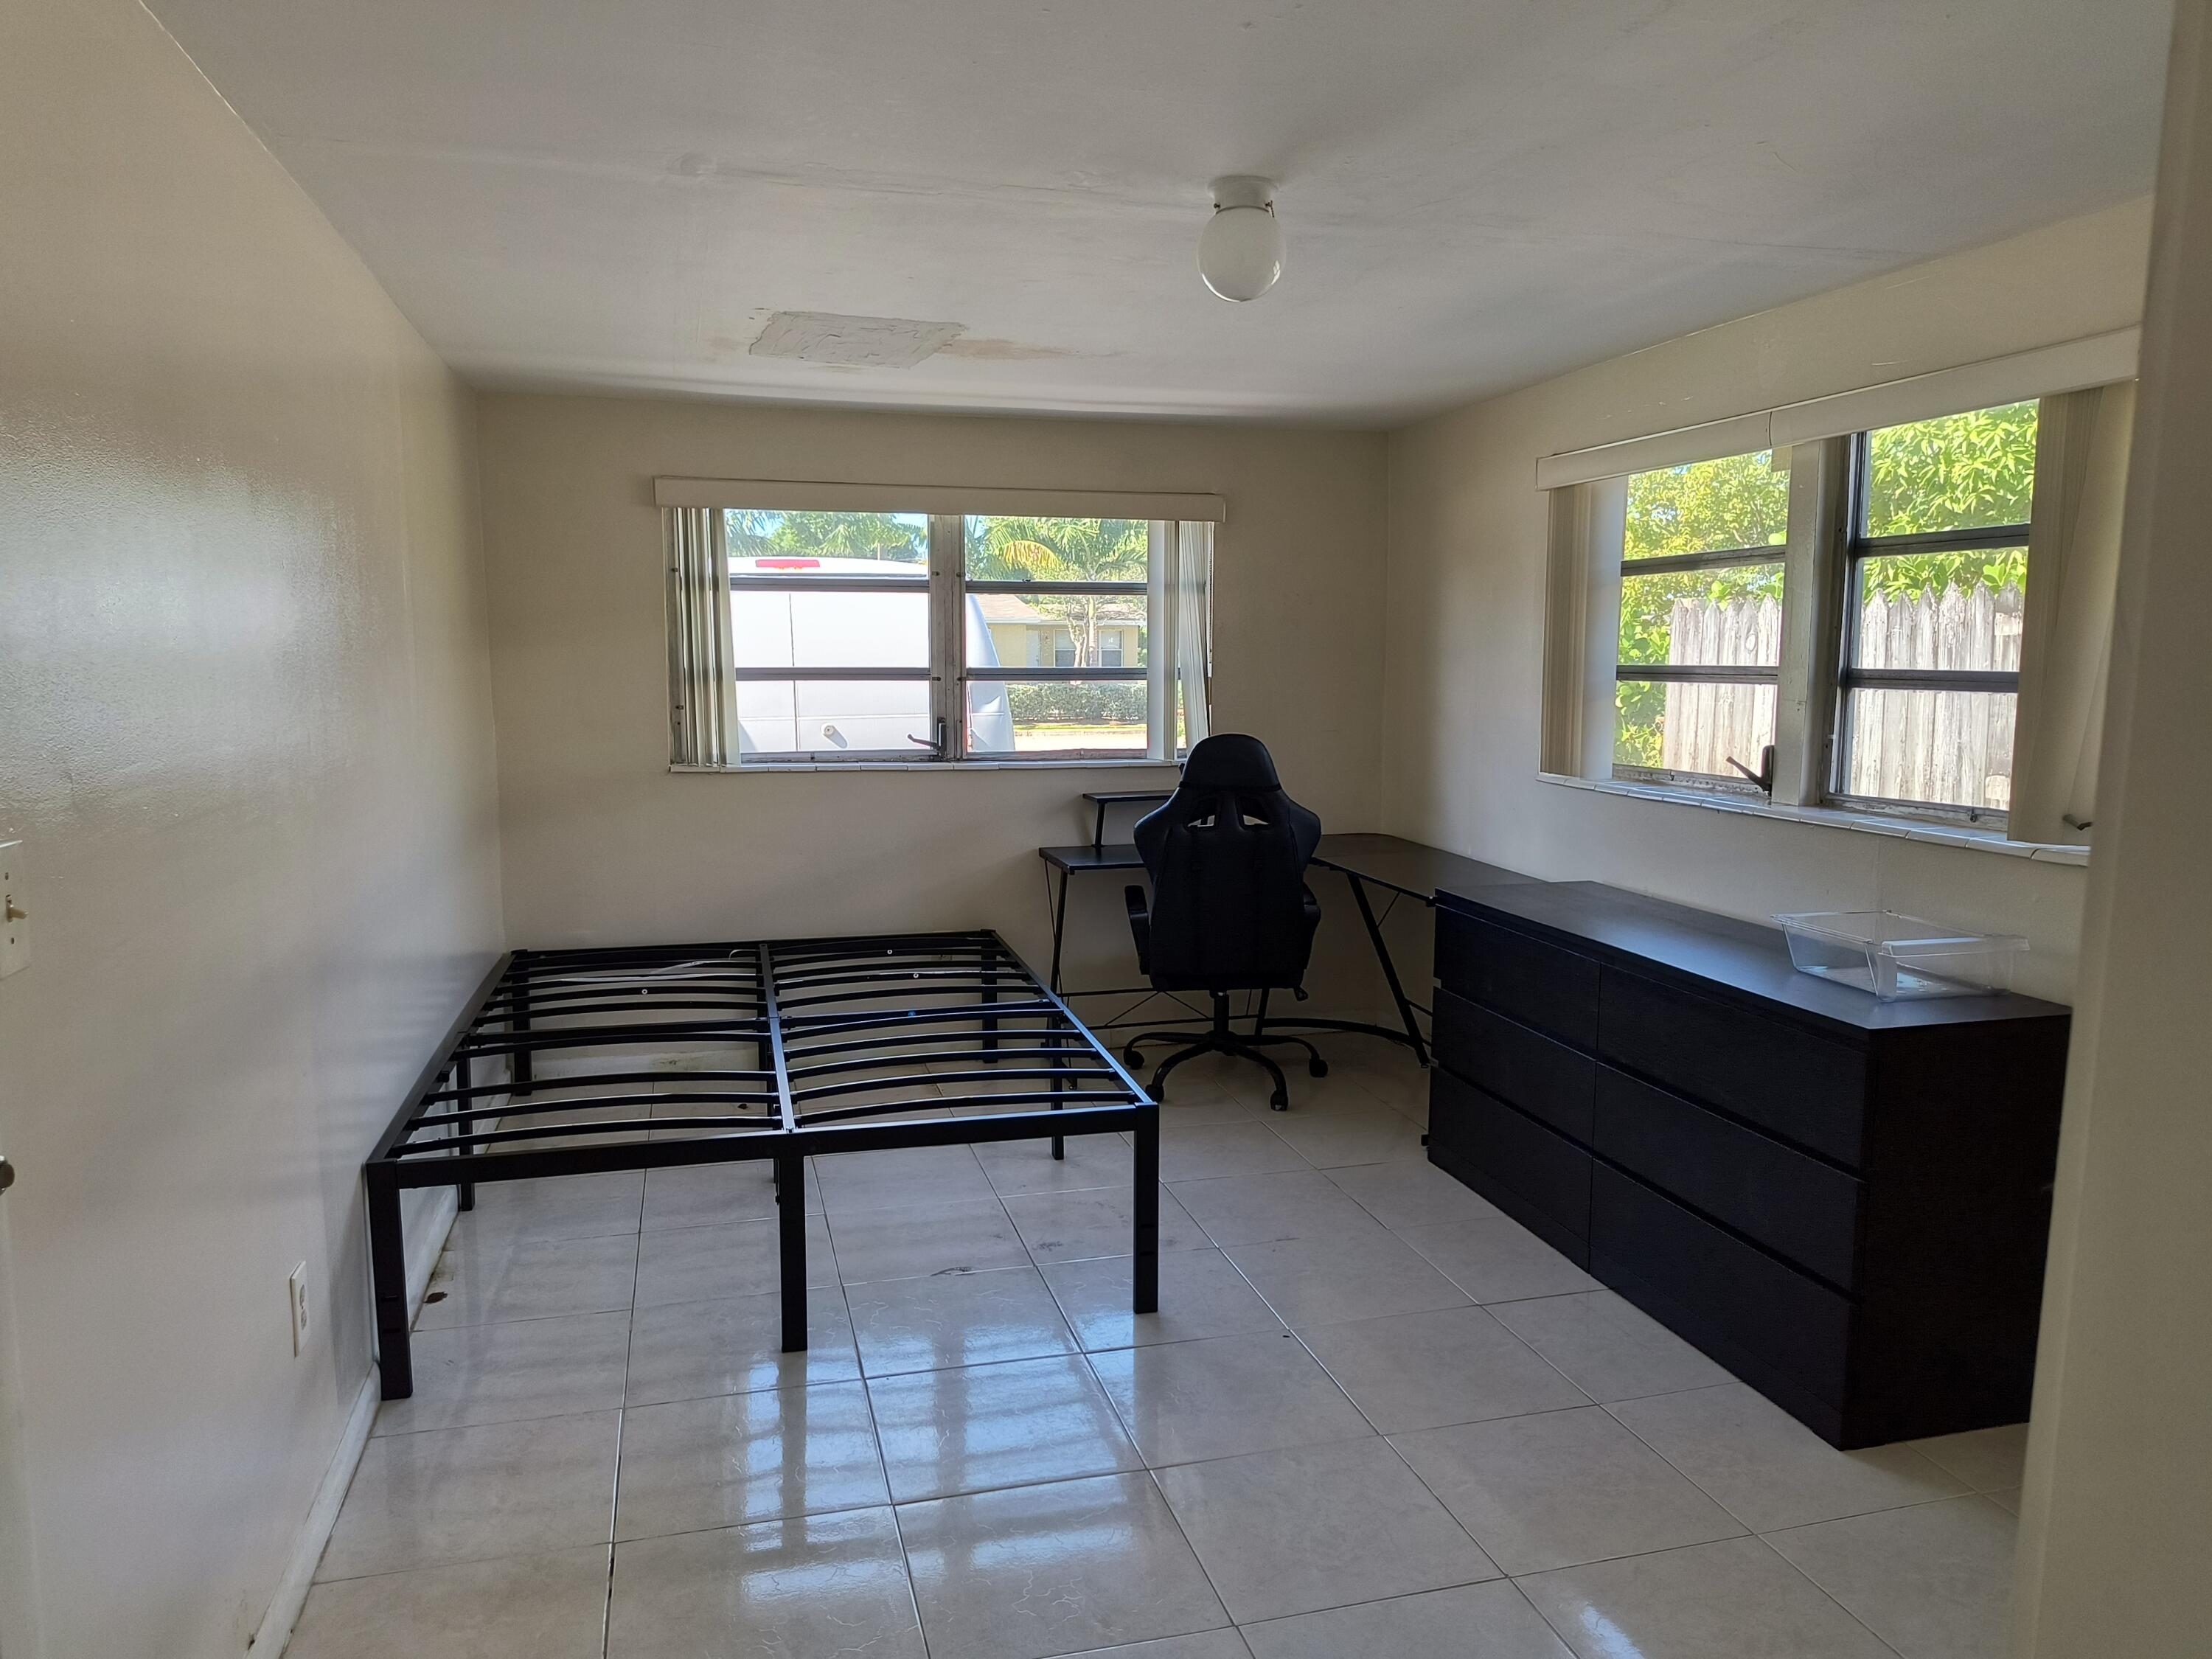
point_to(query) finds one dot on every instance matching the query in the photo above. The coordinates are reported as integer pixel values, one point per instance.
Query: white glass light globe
(1240, 252)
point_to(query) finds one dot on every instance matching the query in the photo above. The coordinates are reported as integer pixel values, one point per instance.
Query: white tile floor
(1372, 1418)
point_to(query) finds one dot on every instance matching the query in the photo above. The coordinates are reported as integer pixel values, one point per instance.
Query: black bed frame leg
(1059, 1082)
(791, 1247)
(1145, 1269)
(519, 1070)
(465, 1190)
(387, 1267)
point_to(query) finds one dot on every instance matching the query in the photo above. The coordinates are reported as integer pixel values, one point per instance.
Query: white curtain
(1193, 626)
(2080, 465)
(702, 703)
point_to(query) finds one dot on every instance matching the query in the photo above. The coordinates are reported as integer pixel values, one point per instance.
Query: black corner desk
(1365, 861)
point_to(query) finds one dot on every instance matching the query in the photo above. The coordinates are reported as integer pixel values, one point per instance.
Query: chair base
(1221, 1040)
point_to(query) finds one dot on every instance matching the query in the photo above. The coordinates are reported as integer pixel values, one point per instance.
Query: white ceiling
(1477, 193)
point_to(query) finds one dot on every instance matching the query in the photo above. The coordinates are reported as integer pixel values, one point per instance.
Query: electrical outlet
(15, 909)
(296, 1293)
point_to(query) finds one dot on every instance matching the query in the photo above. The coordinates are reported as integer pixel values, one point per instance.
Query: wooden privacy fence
(1953, 746)
(1707, 726)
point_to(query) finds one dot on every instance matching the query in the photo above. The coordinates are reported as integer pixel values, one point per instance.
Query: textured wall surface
(247, 740)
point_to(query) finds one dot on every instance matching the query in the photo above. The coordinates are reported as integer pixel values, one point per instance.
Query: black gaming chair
(1229, 908)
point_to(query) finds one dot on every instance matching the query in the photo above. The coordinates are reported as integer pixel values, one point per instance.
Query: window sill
(762, 769)
(1936, 834)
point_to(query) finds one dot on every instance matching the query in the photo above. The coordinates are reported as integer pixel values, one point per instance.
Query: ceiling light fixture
(1240, 252)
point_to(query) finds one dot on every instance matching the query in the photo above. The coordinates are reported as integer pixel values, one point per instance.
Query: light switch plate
(15, 909)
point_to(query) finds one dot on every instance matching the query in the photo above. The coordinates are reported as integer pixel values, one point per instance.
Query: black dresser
(1844, 1201)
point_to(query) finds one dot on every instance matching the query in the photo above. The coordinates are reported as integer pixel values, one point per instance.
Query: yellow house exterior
(1025, 637)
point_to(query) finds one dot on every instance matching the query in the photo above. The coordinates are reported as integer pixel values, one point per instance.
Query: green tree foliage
(1960, 472)
(900, 539)
(1957, 471)
(1032, 549)
(1740, 501)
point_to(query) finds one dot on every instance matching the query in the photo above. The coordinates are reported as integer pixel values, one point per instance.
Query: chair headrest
(1230, 760)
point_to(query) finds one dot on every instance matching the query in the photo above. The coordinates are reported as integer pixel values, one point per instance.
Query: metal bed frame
(827, 1019)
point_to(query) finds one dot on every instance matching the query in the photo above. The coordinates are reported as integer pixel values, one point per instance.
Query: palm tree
(1028, 549)
(827, 535)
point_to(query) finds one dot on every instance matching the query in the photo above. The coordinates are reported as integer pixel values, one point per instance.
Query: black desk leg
(1389, 968)
(791, 1247)
(1058, 931)
(1098, 830)
(1145, 1240)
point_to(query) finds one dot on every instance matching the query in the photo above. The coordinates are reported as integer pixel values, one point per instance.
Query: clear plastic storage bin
(1896, 957)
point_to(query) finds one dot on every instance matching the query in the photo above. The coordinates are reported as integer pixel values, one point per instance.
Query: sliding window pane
(1019, 550)
(804, 545)
(834, 718)
(1710, 506)
(1056, 717)
(788, 628)
(1959, 472)
(1694, 727)
(1057, 630)
(1711, 618)
(1939, 747)
(1961, 611)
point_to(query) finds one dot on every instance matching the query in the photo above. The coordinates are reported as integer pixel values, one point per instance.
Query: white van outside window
(792, 611)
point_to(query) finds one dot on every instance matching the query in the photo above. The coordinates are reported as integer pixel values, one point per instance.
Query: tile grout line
(1749, 1531)
(621, 1421)
(883, 1465)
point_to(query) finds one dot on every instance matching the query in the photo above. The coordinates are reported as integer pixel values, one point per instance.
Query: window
(1082, 574)
(1700, 641)
(1935, 596)
(829, 626)
(1848, 620)
(814, 636)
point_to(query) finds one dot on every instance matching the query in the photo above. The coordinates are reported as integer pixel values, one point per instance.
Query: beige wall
(603, 844)
(2116, 1525)
(247, 739)
(1465, 635)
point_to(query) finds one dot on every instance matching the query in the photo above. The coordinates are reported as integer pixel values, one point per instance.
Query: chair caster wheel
(1279, 1100)
(1132, 1056)
(1317, 1066)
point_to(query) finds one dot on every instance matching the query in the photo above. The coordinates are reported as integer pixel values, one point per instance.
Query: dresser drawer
(1738, 1304)
(1508, 1157)
(1519, 1065)
(1553, 989)
(1804, 1087)
(1789, 1202)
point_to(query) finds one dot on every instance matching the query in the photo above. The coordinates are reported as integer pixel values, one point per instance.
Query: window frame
(740, 676)
(1845, 677)
(1729, 558)
(948, 672)
(1076, 673)
(2085, 393)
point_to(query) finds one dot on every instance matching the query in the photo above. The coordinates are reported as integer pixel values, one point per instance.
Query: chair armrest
(1140, 925)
